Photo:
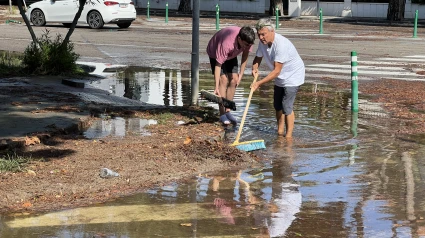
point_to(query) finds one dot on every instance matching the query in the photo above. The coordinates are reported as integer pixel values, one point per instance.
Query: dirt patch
(403, 99)
(65, 171)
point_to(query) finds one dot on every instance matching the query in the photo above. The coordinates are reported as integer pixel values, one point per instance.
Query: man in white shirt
(287, 71)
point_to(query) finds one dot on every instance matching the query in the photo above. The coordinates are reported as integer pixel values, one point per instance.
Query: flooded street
(343, 175)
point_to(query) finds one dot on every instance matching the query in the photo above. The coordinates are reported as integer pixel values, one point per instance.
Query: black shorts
(228, 67)
(284, 98)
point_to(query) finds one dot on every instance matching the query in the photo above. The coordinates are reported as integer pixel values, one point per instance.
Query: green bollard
(354, 122)
(217, 17)
(147, 13)
(415, 28)
(354, 83)
(321, 22)
(166, 12)
(277, 17)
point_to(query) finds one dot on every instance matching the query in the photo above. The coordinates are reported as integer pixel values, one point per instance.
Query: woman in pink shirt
(223, 49)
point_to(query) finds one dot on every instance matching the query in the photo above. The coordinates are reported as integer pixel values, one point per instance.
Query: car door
(61, 10)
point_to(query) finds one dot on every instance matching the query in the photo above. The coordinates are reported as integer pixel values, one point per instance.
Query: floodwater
(344, 175)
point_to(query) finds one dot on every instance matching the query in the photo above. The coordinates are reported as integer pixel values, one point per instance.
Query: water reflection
(239, 203)
(161, 87)
(341, 175)
(118, 127)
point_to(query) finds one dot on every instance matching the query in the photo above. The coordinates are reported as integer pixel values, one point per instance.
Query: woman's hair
(264, 22)
(247, 34)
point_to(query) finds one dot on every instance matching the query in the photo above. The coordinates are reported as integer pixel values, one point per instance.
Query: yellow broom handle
(245, 112)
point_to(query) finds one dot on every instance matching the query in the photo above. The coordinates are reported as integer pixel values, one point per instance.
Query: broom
(247, 145)
(220, 100)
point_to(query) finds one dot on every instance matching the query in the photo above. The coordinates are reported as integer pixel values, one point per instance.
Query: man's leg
(231, 88)
(224, 81)
(288, 107)
(289, 122)
(280, 123)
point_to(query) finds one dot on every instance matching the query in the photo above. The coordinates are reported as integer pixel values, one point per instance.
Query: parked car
(96, 13)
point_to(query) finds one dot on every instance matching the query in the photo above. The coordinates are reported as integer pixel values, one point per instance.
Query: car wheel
(124, 25)
(95, 20)
(68, 25)
(37, 18)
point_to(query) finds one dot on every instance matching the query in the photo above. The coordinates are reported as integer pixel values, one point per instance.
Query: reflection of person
(222, 206)
(223, 49)
(287, 71)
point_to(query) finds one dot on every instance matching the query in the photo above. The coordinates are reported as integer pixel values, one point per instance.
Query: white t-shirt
(283, 51)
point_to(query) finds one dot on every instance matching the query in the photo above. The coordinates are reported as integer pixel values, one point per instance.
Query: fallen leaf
(32, 140)
(27, 204)
(188, 140)
(186, 224)
(31, 172)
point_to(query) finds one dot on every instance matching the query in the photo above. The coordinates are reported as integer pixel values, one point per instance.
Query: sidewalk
(253, 16)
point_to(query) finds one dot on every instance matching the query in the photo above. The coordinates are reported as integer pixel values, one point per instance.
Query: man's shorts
(284, 98)
(228, 67)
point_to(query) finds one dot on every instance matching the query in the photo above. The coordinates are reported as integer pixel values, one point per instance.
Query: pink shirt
(224, 44)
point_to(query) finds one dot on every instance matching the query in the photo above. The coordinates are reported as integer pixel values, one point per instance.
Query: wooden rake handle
(245, 112)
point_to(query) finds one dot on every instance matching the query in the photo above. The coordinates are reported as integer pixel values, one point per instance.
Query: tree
(60, 52)
(184, 6)
(396, 10)
(27, 23)
(273, 5)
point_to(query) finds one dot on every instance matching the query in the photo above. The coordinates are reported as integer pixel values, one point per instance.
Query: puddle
(341, 176)
(118, 127)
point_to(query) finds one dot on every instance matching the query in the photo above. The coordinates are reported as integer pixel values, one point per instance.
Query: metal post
(415, 28)
(195, 53)
(277, 17)
(321, 22)
(217, 17)
(148, 10)
(354, 83)
(166, 12)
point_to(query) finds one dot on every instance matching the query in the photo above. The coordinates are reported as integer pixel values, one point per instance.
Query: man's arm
(255, 65)
(272, 75)
(217, 72)
(243, 65)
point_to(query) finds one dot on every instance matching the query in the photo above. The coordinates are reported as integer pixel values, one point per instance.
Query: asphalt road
(154, 43)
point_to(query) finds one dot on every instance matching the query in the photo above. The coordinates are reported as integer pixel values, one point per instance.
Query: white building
(296, 8)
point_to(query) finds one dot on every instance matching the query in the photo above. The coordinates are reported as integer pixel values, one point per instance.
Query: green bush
(50, 57)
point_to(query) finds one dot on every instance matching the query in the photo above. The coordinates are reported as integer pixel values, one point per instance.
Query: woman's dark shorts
(228, 67)
(284, 98)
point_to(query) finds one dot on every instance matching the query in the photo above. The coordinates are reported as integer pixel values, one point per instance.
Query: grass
(11, 64)
(13, 162)
(163, 118)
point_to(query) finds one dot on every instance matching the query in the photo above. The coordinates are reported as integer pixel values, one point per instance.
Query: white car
(96, 13)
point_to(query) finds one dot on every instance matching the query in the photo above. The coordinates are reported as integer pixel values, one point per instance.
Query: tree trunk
(184, 6)
(22, 12)
(74, 22)
(273, 5)
(396, 10)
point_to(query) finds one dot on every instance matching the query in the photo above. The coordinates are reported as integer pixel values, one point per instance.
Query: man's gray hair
(264, 22)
